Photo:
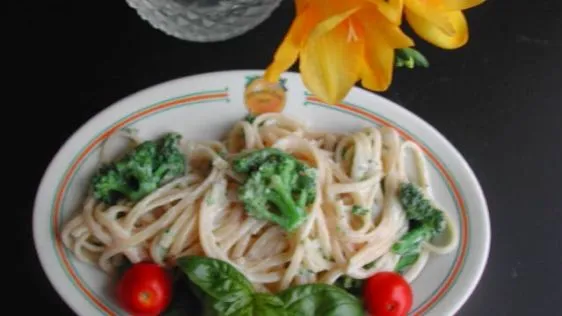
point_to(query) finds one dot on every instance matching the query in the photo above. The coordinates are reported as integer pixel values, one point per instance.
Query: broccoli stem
(406, 261)
(412, 240)
(303, 197)
(282, 199)
(426, 221)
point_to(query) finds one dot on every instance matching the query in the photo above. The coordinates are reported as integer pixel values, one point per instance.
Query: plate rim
(480, 266)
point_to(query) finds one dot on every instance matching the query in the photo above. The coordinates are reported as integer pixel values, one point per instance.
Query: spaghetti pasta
(200, 214)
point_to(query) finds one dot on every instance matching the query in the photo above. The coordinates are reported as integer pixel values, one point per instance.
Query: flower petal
(287, 53)
(332, 13)
(330, 23)
(300, 5)
(458, 5)
(430, 31)
(378, 55)
(391, 9)
(377, 70)
(314, 21)
(330, 64)
(370, 17)
(330, 8)
(431, 11)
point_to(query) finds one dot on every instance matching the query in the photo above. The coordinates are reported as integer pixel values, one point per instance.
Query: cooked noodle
(199, 213)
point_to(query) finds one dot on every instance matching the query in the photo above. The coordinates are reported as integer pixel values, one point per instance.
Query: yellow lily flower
(440, 22)
(340, 43)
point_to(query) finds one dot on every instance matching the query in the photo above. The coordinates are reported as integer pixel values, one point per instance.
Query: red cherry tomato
(387, 294)
(145, 289)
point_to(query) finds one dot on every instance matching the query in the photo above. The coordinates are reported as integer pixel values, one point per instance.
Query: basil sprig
(227, 292)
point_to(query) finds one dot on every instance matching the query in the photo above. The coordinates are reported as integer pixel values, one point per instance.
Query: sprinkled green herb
(370, 265)
(210, 200)
(358, 210)
(250, 118)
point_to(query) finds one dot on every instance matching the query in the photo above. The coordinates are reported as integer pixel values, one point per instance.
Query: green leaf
(419, 59)
(233, 305)
(410, 58)
(260, 304)
(216, 278)
(406, 261)
(225, 291)
(349, 284)
(320, 300)
(263, 304)
(123, 267)
(187, 299)
(208, 309)
(205, 300)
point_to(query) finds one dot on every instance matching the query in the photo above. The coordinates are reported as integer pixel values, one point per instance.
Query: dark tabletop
(498, 100)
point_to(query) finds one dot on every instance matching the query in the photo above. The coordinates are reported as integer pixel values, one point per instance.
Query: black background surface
(498, 100)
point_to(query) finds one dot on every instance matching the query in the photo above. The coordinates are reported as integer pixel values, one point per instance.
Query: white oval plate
(203, 107)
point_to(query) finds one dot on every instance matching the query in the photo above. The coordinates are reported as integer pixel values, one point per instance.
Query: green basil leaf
(123, 267)
(228, 307)
(320, 300)
(208, 307)
(263, 304)
(350, 285)
(184, 301)
(260, 304)
(216, 278)
(267, 305)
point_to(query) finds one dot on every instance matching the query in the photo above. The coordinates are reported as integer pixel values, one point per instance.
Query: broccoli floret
(141, 171)
(252, 160)
(170, 160)
(419, 208)
(437, 222)
(278, 187)
(413, 201)
(426, 221)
